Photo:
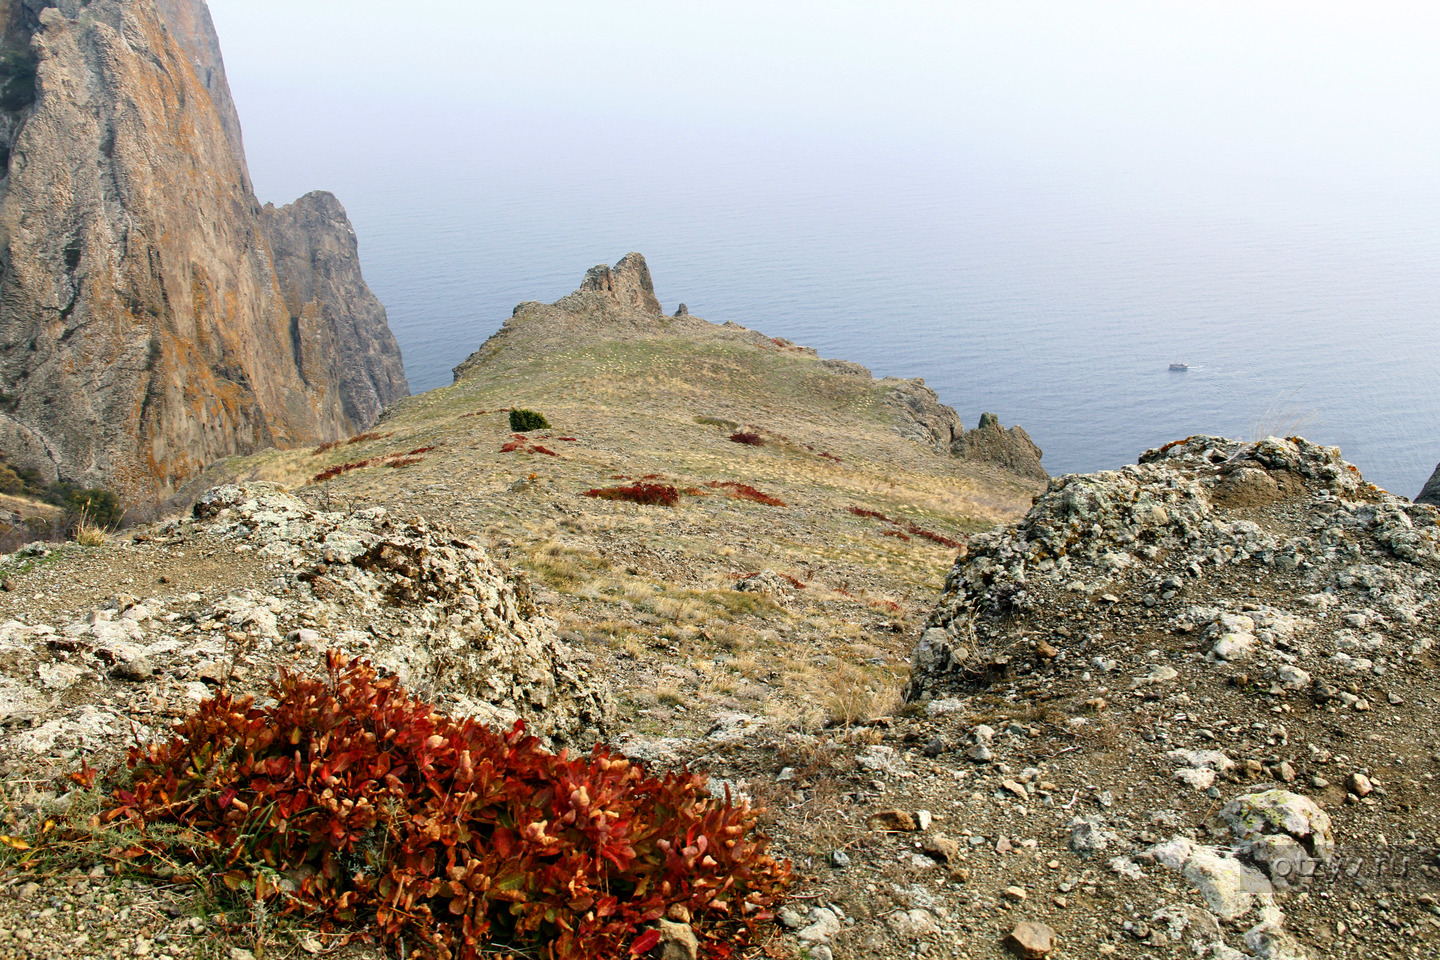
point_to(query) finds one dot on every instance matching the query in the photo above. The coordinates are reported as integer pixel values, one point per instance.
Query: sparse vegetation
(524, 421)
(747, 438)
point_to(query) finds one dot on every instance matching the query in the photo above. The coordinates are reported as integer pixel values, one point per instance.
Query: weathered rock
(143, 331)
(628, 283)
(339, 323)
(678, 941)
(1094, 545)
(894, 821)
(471, 640)
(1431, 493)
(1032, 940)
(1230, 888)
(1012, 449)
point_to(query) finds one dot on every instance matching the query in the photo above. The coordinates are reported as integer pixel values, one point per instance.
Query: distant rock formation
(144, 328)
(1431, 493)
(926, 419)
(1012, 449)
(628, 283)
(339, 322)
(620, 301)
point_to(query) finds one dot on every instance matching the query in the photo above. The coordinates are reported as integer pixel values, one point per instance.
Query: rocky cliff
(144, 327)
(1431, 493)
(339, 323)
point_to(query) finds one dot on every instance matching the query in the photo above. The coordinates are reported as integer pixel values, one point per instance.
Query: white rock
(1200, 779)
(1230, 888)
(912, 924)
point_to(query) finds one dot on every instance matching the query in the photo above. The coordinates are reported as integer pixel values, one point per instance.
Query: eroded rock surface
(412, 597)
(144, 331)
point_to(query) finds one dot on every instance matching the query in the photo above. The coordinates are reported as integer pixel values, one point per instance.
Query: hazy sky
(1312, 90)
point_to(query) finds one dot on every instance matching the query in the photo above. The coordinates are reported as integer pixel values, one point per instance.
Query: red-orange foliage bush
(400, 463)
(748, 438)
(367, 437)
(649, 494)
(332, 472)
(444, 834)
(743, 491)
(911, 528)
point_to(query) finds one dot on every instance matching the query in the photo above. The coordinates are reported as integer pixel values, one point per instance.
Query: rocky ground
(1182, 709)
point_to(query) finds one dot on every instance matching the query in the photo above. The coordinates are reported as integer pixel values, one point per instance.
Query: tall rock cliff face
(144, 327)
(340, 323)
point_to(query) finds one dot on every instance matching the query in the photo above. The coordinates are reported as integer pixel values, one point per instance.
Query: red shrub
(512, 446)
(908, 527)
(748, 438)
(440, 832)
(402, 462)
(649, 494)
(568, 439)
(742, 491)
(831, 456)
(325, 447)
(536, 448)
(367, 437)
(896, 534)
(333, 472)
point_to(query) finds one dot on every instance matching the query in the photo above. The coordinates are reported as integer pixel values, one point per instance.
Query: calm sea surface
(1053, 297)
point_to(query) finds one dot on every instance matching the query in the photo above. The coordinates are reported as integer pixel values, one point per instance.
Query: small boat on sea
(1181, 367)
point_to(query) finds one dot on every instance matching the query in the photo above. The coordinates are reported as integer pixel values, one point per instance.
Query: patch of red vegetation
(647, 494)
(522, 444)
(910, 528)
(326, 447)
(335, 471)
(831, 456)
(367, 437)
(748, 438)
(568, 439)
(797, 584)
(743, 491)
(403, 462)
(897, 534)
(889, 606)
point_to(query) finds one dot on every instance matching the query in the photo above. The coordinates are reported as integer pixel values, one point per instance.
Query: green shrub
(98, 507)
(523, 421)
(10, 481)
(348, 801)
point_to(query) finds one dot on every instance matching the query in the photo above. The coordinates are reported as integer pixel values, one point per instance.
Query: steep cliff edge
(318, 264)
(144, 327)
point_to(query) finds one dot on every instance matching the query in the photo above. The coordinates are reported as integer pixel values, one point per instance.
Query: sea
(1053, 291)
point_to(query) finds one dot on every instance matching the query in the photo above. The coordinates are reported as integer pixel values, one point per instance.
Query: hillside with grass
(806, 512)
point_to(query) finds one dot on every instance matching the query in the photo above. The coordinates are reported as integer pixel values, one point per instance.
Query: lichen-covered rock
(1204, 510)
(1287, 834)
(463, 634)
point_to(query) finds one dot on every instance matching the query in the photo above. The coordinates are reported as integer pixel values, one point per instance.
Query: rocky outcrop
(411, 597)
(1012, 449)
(924, 418)
(144, 331)
(628, 284)
(339, 323)
(1431, 493)
(1191, 534)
